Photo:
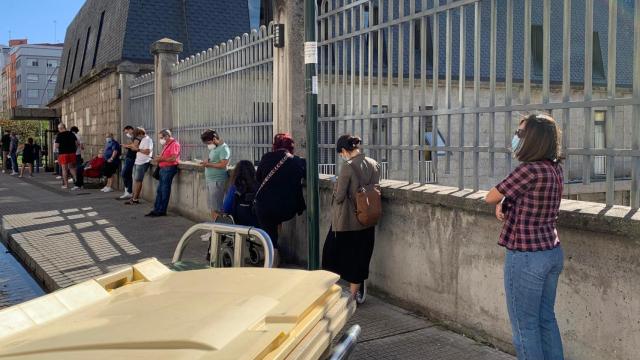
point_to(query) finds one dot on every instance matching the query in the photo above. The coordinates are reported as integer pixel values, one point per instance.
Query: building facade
(4, 80)
(34, 74)
(105, 38)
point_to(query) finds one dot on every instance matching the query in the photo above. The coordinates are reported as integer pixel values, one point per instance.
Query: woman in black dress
(28, 156)
(349, 245)
(279, 197)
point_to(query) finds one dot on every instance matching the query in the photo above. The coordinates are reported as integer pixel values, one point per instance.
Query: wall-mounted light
(278, 35)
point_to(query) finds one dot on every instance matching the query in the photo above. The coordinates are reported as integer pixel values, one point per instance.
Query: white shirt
(79, 149)
(145, 144)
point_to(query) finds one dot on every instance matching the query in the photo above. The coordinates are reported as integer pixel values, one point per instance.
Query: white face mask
(211, 146)
(129, 135)
(163, 141)
(108, 139)
(344, 158)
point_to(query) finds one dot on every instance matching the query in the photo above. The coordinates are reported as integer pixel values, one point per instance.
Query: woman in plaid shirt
(527, 202)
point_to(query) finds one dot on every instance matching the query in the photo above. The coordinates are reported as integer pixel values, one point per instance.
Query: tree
(24, 128)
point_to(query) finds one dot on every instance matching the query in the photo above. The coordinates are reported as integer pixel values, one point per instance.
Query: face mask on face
(515, 142)
(344, 158)
(108, 139)
(163, 141)
(211, 146)
(129, 135)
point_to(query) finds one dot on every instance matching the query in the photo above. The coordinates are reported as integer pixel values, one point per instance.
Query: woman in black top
(27, 157)
(280, 197)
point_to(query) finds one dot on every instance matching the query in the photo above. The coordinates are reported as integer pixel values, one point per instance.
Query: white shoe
(76, 188)
(58, 177)
(14, 173)
(107, 190)
(20, 176)
(4, 171)
(126, 195)
(64, 187)
(205, 237)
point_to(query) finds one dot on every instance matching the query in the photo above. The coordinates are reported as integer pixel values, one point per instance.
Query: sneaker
(205, 237)
(4, 171)
(76, 188)
(125, 196)
(64, 187)
(14, 173)
(107, 190)
(58, 177)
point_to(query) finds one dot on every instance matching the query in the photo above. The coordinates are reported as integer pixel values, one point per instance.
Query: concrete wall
(448, 237)
(456, 269)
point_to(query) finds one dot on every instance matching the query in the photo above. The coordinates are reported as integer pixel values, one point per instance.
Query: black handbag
(156, 173)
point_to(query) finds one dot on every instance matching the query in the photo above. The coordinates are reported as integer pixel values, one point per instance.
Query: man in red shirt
(167, 161)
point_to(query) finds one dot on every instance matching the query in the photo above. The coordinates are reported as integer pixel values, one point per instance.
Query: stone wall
(95, 110)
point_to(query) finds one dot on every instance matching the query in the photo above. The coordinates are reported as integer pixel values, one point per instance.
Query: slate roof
(129, 27)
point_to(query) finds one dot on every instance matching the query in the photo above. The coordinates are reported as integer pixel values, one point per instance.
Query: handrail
(239, 233)
(347, 343)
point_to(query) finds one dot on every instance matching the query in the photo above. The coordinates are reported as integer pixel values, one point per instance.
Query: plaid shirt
(532, 198)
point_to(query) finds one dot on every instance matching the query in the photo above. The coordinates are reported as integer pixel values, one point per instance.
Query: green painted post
(311, 100)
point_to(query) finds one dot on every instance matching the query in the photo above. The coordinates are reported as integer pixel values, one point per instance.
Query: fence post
(165, 53)
(127, 72)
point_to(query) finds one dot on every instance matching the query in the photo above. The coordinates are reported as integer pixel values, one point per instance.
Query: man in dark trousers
(6, 142)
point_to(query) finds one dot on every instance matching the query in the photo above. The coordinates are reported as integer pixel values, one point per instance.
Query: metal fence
(229, 89)
(378, 59)
(141, 102)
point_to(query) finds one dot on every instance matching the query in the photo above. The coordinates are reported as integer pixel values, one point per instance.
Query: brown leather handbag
(368, 200)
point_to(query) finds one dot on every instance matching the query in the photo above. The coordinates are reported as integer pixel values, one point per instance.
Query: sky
(34, 19)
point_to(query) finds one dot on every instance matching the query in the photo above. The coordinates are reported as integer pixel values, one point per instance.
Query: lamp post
(311, 101)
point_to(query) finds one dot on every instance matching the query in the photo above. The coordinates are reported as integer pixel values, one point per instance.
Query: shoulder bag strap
(359, 174)
(272, 172)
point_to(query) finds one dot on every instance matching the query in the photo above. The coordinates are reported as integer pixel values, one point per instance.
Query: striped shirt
(533, 192)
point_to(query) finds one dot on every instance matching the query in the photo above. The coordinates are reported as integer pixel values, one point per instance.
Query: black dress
(348, 253)
(27, 154)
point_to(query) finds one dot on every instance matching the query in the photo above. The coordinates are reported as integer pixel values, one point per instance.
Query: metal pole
(311, 100)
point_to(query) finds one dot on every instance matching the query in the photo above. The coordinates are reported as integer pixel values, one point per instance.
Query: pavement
(65, 237)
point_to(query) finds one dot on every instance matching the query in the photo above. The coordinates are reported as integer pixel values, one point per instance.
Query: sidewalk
(67, 237)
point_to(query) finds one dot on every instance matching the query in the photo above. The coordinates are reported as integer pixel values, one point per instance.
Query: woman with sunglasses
(527, 202)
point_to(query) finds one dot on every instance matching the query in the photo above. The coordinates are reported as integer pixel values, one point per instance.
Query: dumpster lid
(202, 314)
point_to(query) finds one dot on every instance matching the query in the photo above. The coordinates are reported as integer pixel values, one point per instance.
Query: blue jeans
(127, 175)
(164, 189)
(530, 282)
(14, 161)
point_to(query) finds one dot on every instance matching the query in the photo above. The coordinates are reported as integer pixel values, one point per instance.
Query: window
(53, 79)
(95, 51)
(18, 94)
(84, 51)
(33, 62)
(18, 63)
(427, 40)
(52, 63)
(75, 57)
(598, 66)
(599, 141)
(375, 35)
(32, 78)
(18, 79)
(66, 68)
(380, 133)
(49, 93)
(327, 134)
(33, 94)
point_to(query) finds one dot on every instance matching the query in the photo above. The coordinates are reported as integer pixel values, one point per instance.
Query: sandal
(132, 202)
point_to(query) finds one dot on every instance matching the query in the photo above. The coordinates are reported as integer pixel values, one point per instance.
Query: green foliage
(24, 128)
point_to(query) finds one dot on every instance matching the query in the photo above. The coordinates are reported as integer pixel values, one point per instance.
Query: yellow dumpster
(147, 311)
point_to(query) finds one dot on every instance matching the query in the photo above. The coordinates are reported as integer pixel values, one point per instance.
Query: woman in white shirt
(142, 163)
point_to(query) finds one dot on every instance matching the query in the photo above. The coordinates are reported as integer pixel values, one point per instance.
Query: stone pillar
(288, 74)
(165, 54)
(289, 111)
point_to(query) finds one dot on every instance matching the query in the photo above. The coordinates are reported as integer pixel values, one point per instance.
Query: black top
(282, 194)
(131, 154)
(66, 142)
(28, 153)
(6, 141)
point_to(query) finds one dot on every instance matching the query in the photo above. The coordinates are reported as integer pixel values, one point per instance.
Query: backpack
(368, 200)
(243, 211)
